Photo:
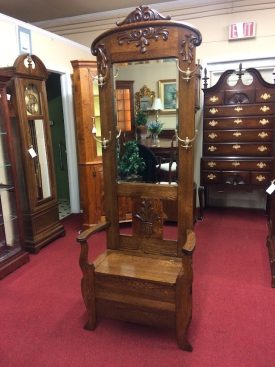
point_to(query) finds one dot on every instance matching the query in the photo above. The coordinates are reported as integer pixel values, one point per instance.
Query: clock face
(32, 100)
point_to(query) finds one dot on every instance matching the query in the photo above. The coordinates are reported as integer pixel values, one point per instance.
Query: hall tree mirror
(143, 165)
(157, 77)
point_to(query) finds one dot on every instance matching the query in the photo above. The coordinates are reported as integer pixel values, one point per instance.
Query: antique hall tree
(144, 276)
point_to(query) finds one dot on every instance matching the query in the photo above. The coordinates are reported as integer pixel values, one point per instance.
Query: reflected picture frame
(168, 94)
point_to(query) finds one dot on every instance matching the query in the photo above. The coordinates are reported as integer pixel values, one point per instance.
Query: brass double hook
(187, 141)
(104, 142)
(188, 74)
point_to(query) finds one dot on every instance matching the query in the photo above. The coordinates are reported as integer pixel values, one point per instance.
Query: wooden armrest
(83, 237)
(190, 243)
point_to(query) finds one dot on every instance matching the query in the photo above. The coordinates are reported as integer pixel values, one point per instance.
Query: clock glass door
(37, 142)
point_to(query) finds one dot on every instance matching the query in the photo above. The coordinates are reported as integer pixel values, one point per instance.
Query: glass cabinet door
(11, 253)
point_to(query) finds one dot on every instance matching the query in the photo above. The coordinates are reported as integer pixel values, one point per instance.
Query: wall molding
(181, 10)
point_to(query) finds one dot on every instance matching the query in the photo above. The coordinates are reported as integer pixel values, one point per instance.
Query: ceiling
(32, 11)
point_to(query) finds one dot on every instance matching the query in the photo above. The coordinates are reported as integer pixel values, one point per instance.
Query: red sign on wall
(242, 30)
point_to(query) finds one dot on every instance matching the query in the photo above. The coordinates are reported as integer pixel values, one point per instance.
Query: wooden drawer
(237, 135)
(237, 164)
(239, 123)
(225, 178)
(238, 149)
(235, 178)
(263, 109)
(211, 177)
(264, 95)
(214, 99)
(261, 178)
(240, 96)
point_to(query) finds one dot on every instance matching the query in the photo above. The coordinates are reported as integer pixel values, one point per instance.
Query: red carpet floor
(42, 312)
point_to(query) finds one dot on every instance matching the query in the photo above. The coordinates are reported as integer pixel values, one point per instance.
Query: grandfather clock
(35, 166)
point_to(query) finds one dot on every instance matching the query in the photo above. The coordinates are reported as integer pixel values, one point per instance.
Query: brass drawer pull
(211, 176)
(214, 99)
(212, 148)
(236, 164)
(264, 121)
(238, 109)
(212, 135)
(263, 134)
(213, 123)
(237, 134)
(260, 178)
(265, 96)
(213, 111)
(265, 108)
(262, 148)
(236, 146)
(261, 165)
(238, 121)
(211, 164)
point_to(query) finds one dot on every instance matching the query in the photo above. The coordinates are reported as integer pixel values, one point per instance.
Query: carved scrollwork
(238, 98)
(102, 61)
(187, 46)
(143, 14)
(141, 37)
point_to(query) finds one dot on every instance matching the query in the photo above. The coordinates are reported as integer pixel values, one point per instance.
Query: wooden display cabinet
(86, 105)
(34, 147)
(12, 253)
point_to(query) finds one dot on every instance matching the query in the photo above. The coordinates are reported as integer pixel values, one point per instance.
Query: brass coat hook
(187, 141)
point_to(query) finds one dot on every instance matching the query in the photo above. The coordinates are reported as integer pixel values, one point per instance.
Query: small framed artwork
(25, 40)
(168, 95)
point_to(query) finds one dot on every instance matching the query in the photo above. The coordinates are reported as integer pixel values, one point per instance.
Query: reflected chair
(167, 167)
(151, 161)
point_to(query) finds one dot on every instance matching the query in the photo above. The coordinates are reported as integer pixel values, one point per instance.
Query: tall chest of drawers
(238, 132)
(238, 140)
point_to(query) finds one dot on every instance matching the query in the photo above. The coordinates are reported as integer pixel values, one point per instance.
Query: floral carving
(187, 46)
(148, 217)
(142, 36)
(143, 14)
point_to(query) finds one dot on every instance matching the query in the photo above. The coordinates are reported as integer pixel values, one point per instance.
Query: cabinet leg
(201, 193)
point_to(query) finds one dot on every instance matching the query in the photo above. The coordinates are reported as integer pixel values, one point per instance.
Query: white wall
(56, 53)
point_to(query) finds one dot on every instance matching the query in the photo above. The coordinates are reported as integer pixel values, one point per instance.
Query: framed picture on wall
(168, 95)
(24, 40)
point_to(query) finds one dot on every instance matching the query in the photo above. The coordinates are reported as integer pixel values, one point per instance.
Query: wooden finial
(205, 78)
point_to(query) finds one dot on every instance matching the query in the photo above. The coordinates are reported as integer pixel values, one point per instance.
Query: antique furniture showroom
(163, 141)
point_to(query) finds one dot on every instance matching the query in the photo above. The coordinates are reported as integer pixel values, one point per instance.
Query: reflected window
(124, 105)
